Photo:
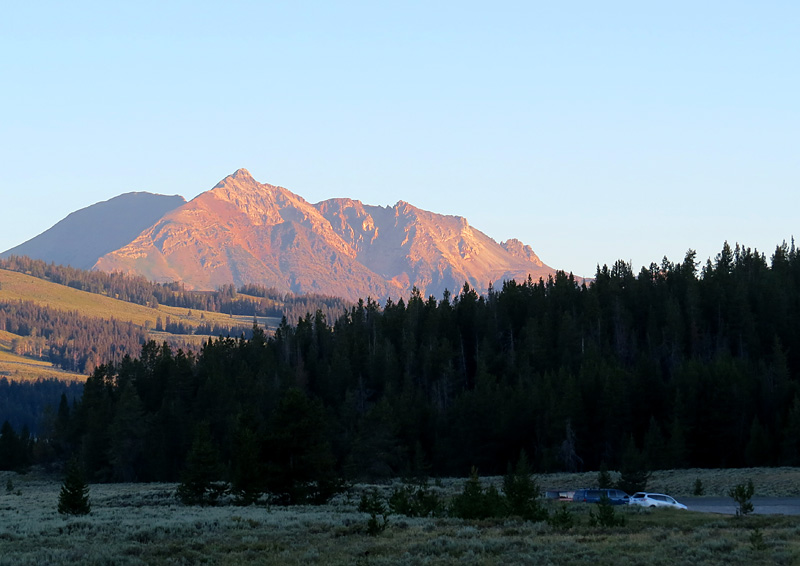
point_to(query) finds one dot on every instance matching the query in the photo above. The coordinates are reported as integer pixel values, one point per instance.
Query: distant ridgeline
(671, 367)
(251, 300)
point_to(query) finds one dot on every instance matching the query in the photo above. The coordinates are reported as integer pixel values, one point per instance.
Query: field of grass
(144, 524)
(18, 286)
(20, 368)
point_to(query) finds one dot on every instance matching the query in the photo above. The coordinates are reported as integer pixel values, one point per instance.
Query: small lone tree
(742, 495)
(604, 478)
(476, 503)
(606, 517)
(633, 471)
(522, 492)
(74, 496)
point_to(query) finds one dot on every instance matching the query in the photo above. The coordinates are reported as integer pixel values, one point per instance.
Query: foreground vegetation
(144, 524)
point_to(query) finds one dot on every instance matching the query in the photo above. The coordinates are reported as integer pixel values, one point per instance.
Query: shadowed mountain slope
(91, 232)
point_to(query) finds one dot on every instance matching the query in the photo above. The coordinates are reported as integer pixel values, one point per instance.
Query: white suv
(654, 500)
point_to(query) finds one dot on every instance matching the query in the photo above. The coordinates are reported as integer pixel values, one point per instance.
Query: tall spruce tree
(202, 470)
(74, 496)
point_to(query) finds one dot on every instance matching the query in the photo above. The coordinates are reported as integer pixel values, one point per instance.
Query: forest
(251, 300)
(678, 365)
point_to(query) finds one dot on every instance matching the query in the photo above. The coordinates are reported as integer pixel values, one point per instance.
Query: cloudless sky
(592, 131)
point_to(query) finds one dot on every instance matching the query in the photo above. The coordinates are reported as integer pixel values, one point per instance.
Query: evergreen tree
(202, 470)
(12, 450)
(522, 492)
(247, 482)
(300, 467)
(74, 496)
(633, 470)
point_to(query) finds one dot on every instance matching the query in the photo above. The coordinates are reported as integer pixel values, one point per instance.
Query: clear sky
(592, 131)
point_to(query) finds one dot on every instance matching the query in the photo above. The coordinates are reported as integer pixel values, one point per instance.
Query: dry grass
(143, 524)
(20, 287)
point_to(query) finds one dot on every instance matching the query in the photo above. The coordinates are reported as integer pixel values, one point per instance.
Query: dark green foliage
(698, 489)
(74, 496)
(31, 403)
(373, 504)
(9, 485)
(200, 480)
(522, 493)
(415, 501)
(633, 472)
(562, 518)
(604, 480)
(14, 449)
(475, 502)
(742, 494)
(300, 464)
(247, 482)
(670, 367)
(606, 515)
(757, 540)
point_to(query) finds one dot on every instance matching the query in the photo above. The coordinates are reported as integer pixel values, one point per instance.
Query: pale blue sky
(592, 131)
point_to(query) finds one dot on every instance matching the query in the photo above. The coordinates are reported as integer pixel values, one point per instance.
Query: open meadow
(145, 524)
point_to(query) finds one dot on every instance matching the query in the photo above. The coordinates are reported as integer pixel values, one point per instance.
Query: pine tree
(74, 496)
(522, 492)
(202, 470)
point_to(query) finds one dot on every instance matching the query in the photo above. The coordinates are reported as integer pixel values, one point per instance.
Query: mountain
(91, 232)
(242, 232)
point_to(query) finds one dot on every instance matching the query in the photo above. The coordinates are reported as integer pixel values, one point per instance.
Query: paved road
(762, 505)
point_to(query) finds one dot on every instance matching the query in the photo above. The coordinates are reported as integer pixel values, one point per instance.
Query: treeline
(250, 300)
(674, 366)
(30, 405)
(67, 339)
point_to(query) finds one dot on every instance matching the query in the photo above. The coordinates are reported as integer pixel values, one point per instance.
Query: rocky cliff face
(242, 231)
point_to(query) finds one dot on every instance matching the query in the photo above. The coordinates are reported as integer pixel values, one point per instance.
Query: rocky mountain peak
(242, 231)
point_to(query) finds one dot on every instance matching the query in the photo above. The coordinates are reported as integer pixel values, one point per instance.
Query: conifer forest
(678, 365)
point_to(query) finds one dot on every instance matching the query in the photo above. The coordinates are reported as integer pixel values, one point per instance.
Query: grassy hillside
(16, 286)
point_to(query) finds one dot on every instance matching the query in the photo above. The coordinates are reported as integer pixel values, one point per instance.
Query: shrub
(698, 488)
(415, 502)
(757, 540)
(606, 516)
(74, 496)
(561, 519)
(742, 495)
(475, 503)
(373, 504)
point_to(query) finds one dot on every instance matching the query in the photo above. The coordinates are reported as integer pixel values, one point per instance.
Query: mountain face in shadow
(89, 233)
(245, 232)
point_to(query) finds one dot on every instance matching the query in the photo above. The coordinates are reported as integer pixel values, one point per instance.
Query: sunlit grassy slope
(16, 286)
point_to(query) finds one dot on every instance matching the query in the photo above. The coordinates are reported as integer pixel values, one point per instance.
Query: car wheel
(652, 506)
